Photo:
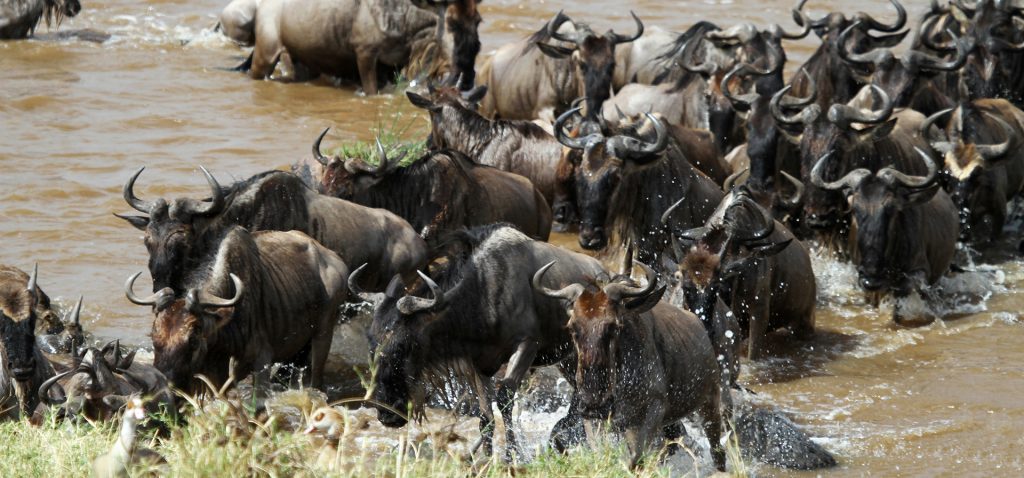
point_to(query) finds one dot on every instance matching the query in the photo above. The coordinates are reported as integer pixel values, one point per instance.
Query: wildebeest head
(604, 162)
(346, 177)
(462, 19)
(184, 326)
(445, 103)
(736, 236)
(91, 387)
(593, 57)
(170, 229)
(399, 343)
(823, 209)
(17, 329)
(877, 200)
(973, 143)
(997, 29)
(596, 316)
(55, 10)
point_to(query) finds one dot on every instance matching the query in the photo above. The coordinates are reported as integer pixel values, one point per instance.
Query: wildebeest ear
(554, 51)
(923, 195)
(420, 101)
(769, 250)
(876, 133)
(645, 303)
(115, 402)
(139, 222)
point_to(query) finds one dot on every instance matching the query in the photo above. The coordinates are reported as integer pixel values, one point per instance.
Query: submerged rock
(766, 435)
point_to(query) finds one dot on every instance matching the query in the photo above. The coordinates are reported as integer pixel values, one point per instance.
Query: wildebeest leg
(711, 414)
(482, 389)
(757, 311)
(673, 432)
(637, 437)
(518, 365)
(366, 61)
(318, 359)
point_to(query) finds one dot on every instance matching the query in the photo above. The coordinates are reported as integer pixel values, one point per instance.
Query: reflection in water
(76, 118)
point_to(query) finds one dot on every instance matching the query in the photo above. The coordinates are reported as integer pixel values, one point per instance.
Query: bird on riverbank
(126, 453)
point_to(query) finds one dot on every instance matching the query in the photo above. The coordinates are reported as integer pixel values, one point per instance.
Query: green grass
(401, 135)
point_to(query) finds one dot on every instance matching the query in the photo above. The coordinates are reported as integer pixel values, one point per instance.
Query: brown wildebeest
(905, 227)
(19, 18)
(50, 329)
(347, 39)
(752, 262)
(519, 147)
(181, 232)
(462, 19)
(533, 78)
(438, 193)
(984, 162)
(285, 290)
(995, 67)
(482, 316)
(23, 367)
(641, 363)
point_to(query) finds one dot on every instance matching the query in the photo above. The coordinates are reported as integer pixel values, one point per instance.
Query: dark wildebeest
(879, 143)
(181, 232)
(905, 226)
(641, 363)
(23, 367)
(482, 315)
(984, 162)
(995, 68)
(69, 338)
(624, 183)
(53, 333)
(533, 78)
(907, 80)
(519, 147)
(438, 193)
(19, 18)
(99, 381)
(462, 19)
(835, 82)
(754, 264)
(347, 39)
(285, 290)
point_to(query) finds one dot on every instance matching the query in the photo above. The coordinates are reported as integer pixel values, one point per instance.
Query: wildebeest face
(563, 206)
(17, 329)
(595, 63)
(874, 210)
(169, 244)
(597, 179)
(594, 325)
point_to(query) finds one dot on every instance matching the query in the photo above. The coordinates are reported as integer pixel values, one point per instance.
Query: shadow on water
(794, 359)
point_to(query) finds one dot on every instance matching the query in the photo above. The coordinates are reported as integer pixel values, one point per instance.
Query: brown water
(77, 118)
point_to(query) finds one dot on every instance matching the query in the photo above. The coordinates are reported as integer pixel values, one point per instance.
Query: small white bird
(125, 452)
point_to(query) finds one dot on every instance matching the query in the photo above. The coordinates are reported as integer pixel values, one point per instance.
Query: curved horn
(928, 62)
(812, 92)
(320, 158)
(995, 151)
(44, 389)
(964, 8)
(130, 293)
(73, 317)
(213, 302)
(801, 19)
(767, 228)
(806, 114)
(873, 57)
(844, 115)
(794, 201)
(743, 102)
(617, 39)
(901, 20)
(915, 182)
(850, 181)
(686, 58)
(557, 22)
(32, 279)
(798, 13)
(660, 135)
(730, 181)
(409, 305)
(668, 212)
(925, 131)
(353, 282)
(618, 291)
(569, 292)
(129, 195)
(929, 40)
(574, 143)
(216, 204)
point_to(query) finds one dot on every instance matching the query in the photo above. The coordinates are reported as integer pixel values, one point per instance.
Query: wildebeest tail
(246, 65)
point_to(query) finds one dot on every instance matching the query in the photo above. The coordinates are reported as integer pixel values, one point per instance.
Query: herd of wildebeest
(687, 155)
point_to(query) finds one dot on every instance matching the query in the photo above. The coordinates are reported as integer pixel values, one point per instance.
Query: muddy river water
(77, 118)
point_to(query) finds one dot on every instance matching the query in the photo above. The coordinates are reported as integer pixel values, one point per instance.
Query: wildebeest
(641, 363)
(99, 381)
(752, 262)
(70, 335)
(284, 289)
(520, 147)
(438, 193)
(995, 68)
(984, 163)
(461, 19)
(179, 233)
(19, 18)
(238, 21)
(535, 78)
(625, 182)
(47, 321)
(22, 365)
(481, 316)
(905, 226)
(366, 39)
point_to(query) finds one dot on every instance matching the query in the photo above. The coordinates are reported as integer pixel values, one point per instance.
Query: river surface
(77, 118)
